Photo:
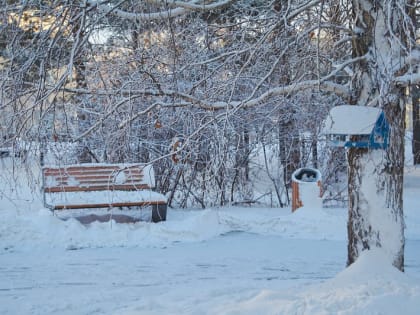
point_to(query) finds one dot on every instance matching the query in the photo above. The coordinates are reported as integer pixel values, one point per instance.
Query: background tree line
(136, 90)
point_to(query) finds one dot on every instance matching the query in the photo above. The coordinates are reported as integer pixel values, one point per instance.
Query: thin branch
(148, 109)
(103, 118)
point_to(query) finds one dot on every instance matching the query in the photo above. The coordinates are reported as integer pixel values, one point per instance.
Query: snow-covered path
(186, 278)
(101, 281)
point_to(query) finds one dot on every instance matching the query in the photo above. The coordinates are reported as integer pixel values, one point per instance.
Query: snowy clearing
(217, 261)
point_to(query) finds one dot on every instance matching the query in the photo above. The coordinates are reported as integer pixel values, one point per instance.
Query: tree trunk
(289, 146)
(375, 184)
(375, 180)
(84, 119)
(415, 89)
(415, 94)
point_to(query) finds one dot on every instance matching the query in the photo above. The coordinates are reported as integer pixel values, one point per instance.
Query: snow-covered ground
(216, 261)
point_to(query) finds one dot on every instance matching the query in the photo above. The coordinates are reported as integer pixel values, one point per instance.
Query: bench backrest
(98, 177)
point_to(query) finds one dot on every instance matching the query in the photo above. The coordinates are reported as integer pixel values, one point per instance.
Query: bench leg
(159, 213)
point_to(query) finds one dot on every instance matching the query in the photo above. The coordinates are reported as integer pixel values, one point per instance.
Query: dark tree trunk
(415, 94)
(289, 146)
(415, 89)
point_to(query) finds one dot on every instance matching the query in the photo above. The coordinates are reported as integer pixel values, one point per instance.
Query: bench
(109, 187)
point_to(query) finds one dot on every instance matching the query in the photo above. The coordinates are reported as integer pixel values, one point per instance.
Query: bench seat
(103, 199)
(102, 186)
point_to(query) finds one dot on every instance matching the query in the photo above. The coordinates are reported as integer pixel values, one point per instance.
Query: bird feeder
(352, 126)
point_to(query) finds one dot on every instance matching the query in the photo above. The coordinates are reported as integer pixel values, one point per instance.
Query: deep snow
(217, 261)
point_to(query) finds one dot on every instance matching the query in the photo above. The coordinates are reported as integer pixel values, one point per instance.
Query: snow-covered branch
(326, 86)
(407, 79)
(177, 8)
(412, 61)
(302, 8)
(195, 5)
(323, 84)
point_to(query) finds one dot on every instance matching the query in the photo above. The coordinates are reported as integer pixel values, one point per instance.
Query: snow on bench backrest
(98, 177)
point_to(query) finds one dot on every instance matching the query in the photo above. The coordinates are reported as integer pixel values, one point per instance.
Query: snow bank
(412, 202)
(306, 223)
(43, 229)
(39, 228)
(369, 286)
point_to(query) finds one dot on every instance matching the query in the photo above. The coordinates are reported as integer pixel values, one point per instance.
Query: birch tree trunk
(376, 176)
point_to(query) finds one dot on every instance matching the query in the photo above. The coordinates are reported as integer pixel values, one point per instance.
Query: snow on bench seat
(89, 186)
(103, 199)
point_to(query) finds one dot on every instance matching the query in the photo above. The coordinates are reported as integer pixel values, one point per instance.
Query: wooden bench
(112, 187)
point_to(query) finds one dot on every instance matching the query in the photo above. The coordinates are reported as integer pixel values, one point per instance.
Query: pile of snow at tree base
(238, 260)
